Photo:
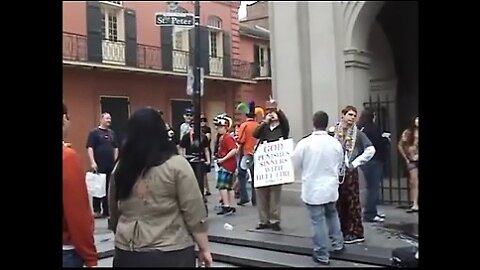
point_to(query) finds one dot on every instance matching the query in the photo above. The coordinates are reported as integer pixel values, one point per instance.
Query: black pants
(102, 203)
(132, 259)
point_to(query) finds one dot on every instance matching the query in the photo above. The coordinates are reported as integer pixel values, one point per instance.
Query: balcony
(216, 66)
(149, 57)
(180, 61)
(113, 52)
(242, 69)
(75, 48)
(261, 70)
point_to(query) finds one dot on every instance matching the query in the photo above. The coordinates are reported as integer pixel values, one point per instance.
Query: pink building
(115, 59)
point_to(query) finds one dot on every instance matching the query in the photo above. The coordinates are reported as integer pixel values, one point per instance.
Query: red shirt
(227, 143)
(78, 224)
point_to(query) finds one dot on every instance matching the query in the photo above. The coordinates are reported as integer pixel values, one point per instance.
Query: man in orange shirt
(78, 225)
(247, 144)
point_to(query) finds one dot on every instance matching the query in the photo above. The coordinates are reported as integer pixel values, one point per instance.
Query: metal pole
(196, 70)
(198, 163)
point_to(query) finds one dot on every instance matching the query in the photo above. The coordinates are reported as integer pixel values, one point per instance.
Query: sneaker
(315, 259)
(243, 203)
(262, 226)
(223, 211)
(350, 239)
(97, 215)
(230, 211)
(375, 219)
(276, 227)
(381, 215)
(338, 250)
(208, 193)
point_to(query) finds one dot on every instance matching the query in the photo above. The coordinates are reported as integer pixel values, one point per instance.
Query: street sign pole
(199, 164)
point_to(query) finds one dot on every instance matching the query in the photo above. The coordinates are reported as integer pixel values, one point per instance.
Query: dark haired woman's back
(154, 225)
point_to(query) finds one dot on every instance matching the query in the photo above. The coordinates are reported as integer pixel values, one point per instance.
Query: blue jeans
(326, 228)
(71, 259)
(373, 172)
(242, 181)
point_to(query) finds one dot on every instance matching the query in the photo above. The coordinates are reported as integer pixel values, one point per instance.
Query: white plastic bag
(96, 184)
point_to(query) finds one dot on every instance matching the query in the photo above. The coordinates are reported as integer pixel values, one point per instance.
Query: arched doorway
(382, 38)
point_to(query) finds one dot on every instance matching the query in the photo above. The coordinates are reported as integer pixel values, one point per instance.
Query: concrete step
(284, 244)
(108, 262)
(254, 257)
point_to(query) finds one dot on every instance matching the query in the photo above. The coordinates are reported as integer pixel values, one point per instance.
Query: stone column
(357, 78)
(285, 53)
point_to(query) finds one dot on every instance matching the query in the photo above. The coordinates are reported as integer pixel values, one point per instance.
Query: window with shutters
(263, 60)
(180, 37)
(113, 32)
(181, 47)
(215, 41)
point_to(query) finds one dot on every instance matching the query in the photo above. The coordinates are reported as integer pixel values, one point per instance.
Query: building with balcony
(115, 59)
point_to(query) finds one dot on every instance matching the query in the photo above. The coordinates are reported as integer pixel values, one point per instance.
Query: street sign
(201, 81)
(191, 79)
(174, 19)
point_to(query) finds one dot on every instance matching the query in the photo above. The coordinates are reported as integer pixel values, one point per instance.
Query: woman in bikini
(408, 148)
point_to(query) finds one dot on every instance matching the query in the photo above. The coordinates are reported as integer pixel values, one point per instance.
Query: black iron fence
(394, 187)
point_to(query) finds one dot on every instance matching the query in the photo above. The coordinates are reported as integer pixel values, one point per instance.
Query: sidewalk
(296, 232)
(295, 236)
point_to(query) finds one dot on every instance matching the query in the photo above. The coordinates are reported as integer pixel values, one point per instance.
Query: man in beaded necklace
(358, 151)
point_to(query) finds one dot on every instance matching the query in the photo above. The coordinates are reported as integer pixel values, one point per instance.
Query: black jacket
(374, 134)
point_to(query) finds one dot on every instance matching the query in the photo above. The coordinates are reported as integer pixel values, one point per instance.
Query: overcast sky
(242, 12)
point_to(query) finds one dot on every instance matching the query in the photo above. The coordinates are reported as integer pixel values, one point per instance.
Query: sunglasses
(188, 115)
(203, 120)
(269, 110)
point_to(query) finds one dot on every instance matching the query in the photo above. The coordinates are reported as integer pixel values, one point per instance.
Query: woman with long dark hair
(408, 148)
(157, 210)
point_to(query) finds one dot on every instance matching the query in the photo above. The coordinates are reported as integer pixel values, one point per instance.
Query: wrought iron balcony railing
(113, 52)
(74, 47)
(150, 57)
(242, 69)
(216, 66)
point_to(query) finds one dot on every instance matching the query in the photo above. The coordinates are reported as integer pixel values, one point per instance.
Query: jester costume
(358, 150)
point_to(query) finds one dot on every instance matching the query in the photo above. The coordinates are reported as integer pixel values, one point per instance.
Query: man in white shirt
(319, 157)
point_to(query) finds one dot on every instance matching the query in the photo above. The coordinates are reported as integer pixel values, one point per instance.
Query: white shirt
(319, 157)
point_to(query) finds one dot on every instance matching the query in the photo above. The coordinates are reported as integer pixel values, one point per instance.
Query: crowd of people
(158, 214)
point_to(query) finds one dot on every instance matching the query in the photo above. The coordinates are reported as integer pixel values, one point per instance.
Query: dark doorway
(119, 109)
(178, 108)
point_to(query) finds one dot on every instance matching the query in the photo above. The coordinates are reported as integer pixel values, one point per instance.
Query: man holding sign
(274, 127)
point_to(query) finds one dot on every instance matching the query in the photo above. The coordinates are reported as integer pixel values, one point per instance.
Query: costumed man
(274, 127)
(247, 143)
(358, 150)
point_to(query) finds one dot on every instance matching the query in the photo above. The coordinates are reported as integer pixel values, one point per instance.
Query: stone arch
(358, 19)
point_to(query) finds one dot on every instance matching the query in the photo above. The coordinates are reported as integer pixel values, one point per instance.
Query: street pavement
(380, 239)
